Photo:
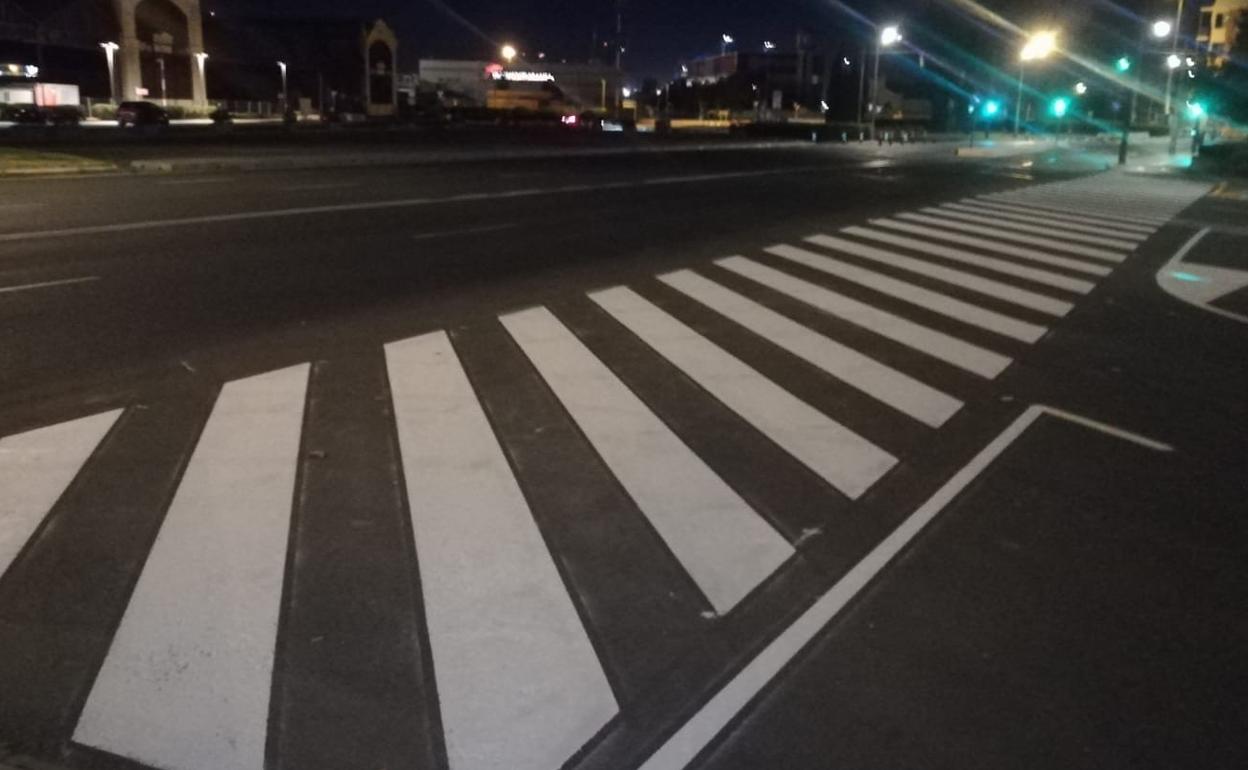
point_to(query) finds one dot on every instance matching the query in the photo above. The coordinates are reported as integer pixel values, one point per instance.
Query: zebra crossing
(906, 317)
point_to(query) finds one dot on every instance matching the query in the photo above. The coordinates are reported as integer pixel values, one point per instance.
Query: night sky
(660, 33)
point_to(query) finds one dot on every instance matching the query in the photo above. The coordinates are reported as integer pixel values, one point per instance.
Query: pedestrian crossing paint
(970, 314)
(993, 264)
(1066, 205)
(885, 384)
(1051, 244)
(985, 244)
(839, 456)
(187, 679)
(947, 348)
(1057, 217)
(35, 469)
(519, 684)
(997, 215)
(726, 547)
(1066, 234)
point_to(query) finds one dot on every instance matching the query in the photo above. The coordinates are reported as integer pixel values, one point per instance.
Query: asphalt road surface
(801, 457)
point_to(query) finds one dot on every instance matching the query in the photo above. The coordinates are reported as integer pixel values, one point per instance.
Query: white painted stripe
(889, 386)
(35, 469)
(969, 281)
(996, 232)
(1063, 205)
(519, 685)
(48, 284)
(465, 231)
(836, 454)
(939, 345)
(315, 187)
(1078, 224)
(1005, 267)
(193, 181)
(985, 244)
(186, 682)
(695, 735)
(1064, 234)
(722, 543)
(1062, 216)
(994, 215)
(943, 304)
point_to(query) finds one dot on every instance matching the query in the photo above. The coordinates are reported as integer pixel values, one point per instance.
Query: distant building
(1220, 24)
(588, 86)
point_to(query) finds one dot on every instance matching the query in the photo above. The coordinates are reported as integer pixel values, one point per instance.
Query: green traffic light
(1123, 64)
(991, 108)
(1195, 110)
(1060, 105)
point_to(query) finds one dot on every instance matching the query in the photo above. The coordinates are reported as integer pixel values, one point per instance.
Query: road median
(22, 162)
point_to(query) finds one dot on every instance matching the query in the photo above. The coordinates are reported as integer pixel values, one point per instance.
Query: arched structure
(155, 30)
(381, 50)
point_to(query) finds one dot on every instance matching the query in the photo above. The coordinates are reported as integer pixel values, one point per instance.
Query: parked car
(21, 113)
(141, 114)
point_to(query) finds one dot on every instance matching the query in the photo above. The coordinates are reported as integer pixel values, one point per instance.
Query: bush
(104, 111)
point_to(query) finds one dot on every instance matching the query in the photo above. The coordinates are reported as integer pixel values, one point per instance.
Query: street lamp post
(164, 102)
(200, 58)
(725, 41)
(888, 36)
(281, 65)
(1038, 46)
(110, 51)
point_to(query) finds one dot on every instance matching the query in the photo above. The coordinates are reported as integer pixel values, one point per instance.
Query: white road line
(399, 203)
(996, 232)
(695, 735)
(1063, 216)
(465, 231)
(1003, 266)
(319, 186)
(882, 383)
(725, 546)
(35, 469)
(1064, 205)
(1063, 235)
(995, 215)
(519, 684)
(974, 315)
(1078, 224)
(939, 345)
(186, 682)
(48, 284)
(836, 454)
(994, 246)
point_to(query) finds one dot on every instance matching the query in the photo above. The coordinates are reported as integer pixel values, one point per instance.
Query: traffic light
(1195, 110)
(1059, 107)
(991, 108)
(1123, 64)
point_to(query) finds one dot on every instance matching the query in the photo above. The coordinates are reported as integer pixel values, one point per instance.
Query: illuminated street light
(1173, 61)
(110, 51)
(890, 34)
(727, 40)
(768, 45)
(1038, 46)
(1081, 88)
(1161, 28)
(200, 58)
(509, 53)
(281, 65)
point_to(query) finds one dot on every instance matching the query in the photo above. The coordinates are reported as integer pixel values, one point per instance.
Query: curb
(59, 170)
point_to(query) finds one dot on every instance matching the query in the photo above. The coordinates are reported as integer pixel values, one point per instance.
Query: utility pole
(619, 34)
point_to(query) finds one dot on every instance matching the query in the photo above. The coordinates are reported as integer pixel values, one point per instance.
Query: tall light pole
(164, 102)
(725, 41)
(889, 35)
(1038, 46)
(110, 51)
(200, 58)
(281, 65)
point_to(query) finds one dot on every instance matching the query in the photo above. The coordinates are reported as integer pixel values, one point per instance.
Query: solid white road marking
(1061, 216)
(1125, 232)
(1198, 285)
(996, 232)
(465, 231)
(319, 186)
(1065, 205)
(943, 304)
(518, 681)
(952, 350)
(1063, 233)
(882, 383)
(48, 284)
(35, 469)
(1002, 266)
(841, 457)
(724, 545)
(202, 180)
(187, 679)
(696, 734)
(985, 244)
(400, 203)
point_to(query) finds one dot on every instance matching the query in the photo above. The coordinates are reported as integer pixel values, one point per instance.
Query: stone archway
(152, 30)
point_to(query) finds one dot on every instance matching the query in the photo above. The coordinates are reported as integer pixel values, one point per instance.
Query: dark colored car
(141, 114)
(21, 113)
